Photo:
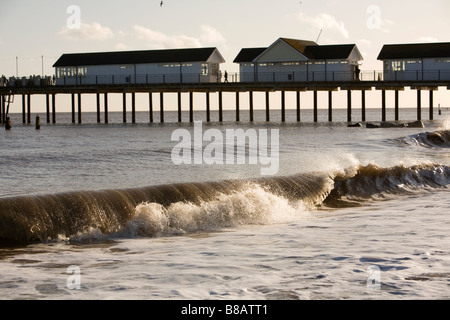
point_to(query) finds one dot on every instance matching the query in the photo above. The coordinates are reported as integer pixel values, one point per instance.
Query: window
(413, 61)
(205, 69)
(344, 62)
(445, 60)
(60, 73)
(319, 62)
(333, 62)
(398, 65)
(82, 72)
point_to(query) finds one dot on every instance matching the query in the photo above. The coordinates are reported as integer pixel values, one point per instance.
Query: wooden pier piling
(208, 107)
(431, 105)
(315, 107)
(73, 107)
(220, 107)
(221, 88)
(150, 106)
(237, 106)
(98, 107)
(161, 106)
(79, 108)
(251, 105)
(106, 107)
(124, 105)
(24, 112)
(419, 104)
(53, 108)
(330, 106)
(191, 107)
(349, 105)
(29, 108)
(363, 105)
(47, 106)
(133, 107)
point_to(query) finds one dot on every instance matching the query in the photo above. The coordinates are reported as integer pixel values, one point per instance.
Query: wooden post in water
(267, 106)
(98, 107)
(419, 104)
(73, 107)
(251, 105)
(161, 106)
(330, 106)
(237, 107)
(124, 104)
(54, 108)
(363, 105)
(349, 105)
(283, 106)
(38, 123)
(29, 109)
(208, 107)
(191, 106)
(431, 105)
(106, 107)
(298, 106)
(47, 105)
(2, 108)
(383, 105)
(179, 107)
(150, 106)
(315, 107)
(397, 111)
(24, 112)
(220, 107)
(133, 107)
(79, 108)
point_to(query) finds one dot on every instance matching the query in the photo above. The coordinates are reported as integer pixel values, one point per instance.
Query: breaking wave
(193, 207)
(436, 139)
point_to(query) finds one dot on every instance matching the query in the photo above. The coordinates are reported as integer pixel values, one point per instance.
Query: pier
(51, 92)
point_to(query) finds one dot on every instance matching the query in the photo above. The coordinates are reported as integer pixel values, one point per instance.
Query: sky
(35, 33)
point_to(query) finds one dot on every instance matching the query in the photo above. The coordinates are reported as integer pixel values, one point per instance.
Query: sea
(98, 211)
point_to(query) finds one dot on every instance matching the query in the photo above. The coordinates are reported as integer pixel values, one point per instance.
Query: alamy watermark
(74, 281)
(230, 149)
(73, 22)
(374, 279)
(374, 19)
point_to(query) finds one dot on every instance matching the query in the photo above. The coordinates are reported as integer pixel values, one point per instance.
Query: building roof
(248, 54)
(340, 51)
(136, 57)
(299, 45)
(415, 51)
(309, 49)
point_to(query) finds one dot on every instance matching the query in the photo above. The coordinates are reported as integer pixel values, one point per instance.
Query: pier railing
(260, 77)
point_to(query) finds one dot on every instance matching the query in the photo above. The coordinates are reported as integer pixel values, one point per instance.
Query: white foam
(251, 206)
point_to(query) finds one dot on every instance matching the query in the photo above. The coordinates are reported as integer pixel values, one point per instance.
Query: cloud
(365, 42)
(159, 40)
(92, 31)
(325, 21)
(421, 39)
(211, 35)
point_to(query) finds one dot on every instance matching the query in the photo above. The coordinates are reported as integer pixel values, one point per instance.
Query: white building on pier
(299, 60)
(416, 62)
(139, 67)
